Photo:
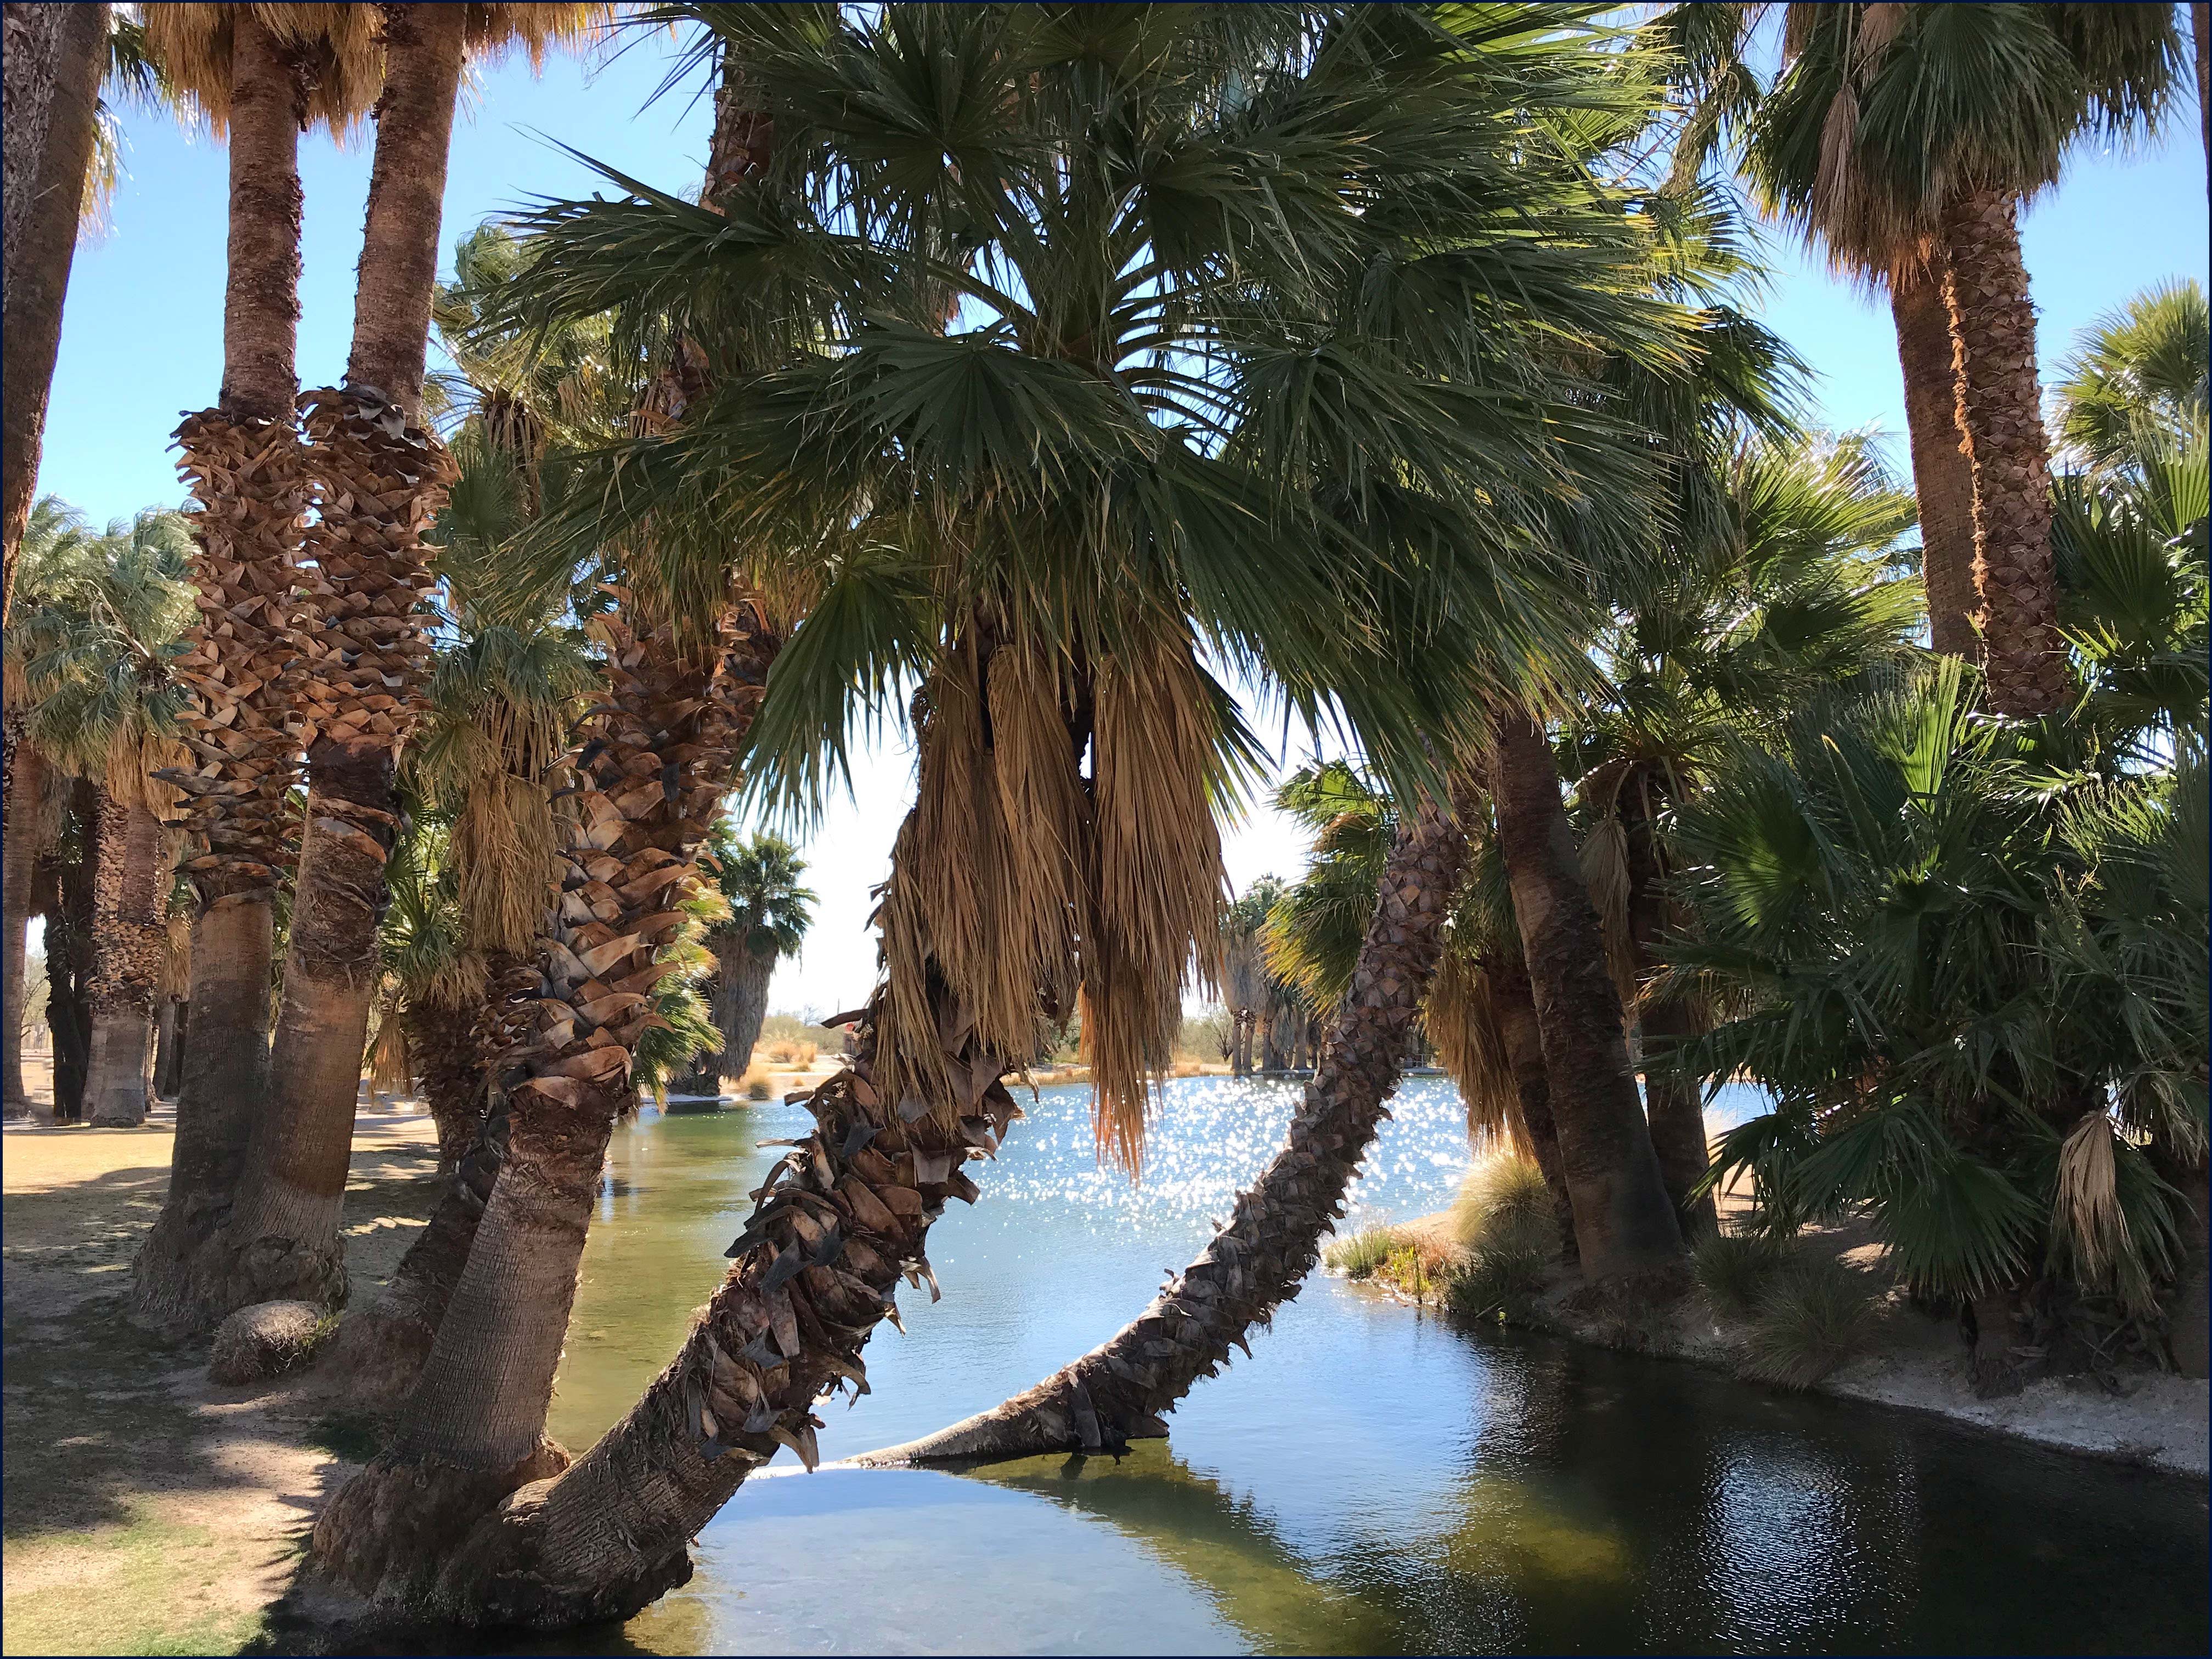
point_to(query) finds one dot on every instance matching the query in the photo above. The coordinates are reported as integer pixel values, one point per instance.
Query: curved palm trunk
(379, 481)
(130, 940)
(1625, 1224)
(241, 461)
(2000, 411)
(473, 1429)
(25, 787)
(1532, 1091)
(379, 1352)
(51, 72)
(453, 1074)
(1942, 477)
(1119, 1390)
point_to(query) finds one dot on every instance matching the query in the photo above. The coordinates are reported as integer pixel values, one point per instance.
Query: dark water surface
(1372, 1480)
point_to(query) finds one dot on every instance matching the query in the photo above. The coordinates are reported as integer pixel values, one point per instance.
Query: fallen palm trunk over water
(1118, 1391)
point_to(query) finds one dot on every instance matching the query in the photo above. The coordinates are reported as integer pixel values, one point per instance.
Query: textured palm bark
(241, 462)
(736, 1001)
(49, 77)
(1942, 476)
(282, 1240)
(65, 887)
(657, 758)
(1625, 1224)
(379, 1351)
(130, 940)
(22, 793)
(1120, 1390)
(2000, 412)
(454, 1076)
(1532, 1090)
(168, 1046)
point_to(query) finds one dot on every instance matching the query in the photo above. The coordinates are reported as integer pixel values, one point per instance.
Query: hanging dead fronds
(1461, 1018)
(339, 51)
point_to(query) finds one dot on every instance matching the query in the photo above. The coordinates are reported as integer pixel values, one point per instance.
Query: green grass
(353, 1438)
(1496, 1282)
(1733, 1269)
(1360, 1255)
(1810, 1317)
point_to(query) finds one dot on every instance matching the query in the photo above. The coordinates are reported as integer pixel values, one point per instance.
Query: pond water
(1371, 1481)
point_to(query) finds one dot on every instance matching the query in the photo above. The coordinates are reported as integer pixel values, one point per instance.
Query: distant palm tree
(88, 653)
(1900, 127)
(770, 913)
(2143, 365)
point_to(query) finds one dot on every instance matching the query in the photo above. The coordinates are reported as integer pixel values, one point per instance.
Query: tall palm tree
(1904, 127)
(55, 58)
(379, 479)
(258, 73)
(770, 912)
(1245, 965)
(90, 652)
(1023, 515)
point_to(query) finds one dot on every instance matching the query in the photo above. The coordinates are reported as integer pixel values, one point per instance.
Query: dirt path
(147, 1511)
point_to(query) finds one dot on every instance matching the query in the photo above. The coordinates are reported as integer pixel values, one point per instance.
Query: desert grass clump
(797, 1056)
(1734, 1268)
(1503, 1206)
(1360, 1255)
(1498, 1282)
(1811, 1316)
(754, 1086)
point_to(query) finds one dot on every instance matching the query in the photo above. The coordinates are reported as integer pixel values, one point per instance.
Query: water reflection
(1370, 1482)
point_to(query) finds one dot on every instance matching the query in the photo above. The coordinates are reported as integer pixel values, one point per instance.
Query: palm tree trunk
(168, 1046)
(2000, 411)
(453, 1074)
(1532, 1090)
(1675, 1107)
(1625, 1224)
(69, 956)
(379, 1352)
(379, 481)
(128, 941)
(472, 1431)
(1120, 1389)
(25, 787)
(50, 73)
(2200, 28)
(241, 460)
(1942, 477)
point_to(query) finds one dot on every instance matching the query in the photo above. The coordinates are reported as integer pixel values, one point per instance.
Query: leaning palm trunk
(1625, 1224)
(1942, 477)
(661, 754)
(2000, 411)
(130, 942)
(379, 481)
(241, 460)
(1119, 1390)
(24, 791)
(54, 59)
(450, 1065)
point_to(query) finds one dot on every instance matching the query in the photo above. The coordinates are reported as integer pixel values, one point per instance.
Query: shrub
(1810, 1317)
(1497, 1280)
(1359, 1255)
(1732, 1269)
(754, 1086)
(797, 1055)
(1503, 1206)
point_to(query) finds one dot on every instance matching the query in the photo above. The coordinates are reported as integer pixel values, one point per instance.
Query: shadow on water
(1370, 1482)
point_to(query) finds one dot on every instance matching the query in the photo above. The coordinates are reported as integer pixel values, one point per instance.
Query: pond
(1372, 1480)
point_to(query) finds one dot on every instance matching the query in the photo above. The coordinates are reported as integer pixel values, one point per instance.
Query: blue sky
(142, 338)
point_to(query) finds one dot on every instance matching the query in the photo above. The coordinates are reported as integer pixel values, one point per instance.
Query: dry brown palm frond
(2086, 1205)
(492, 29)
(1461, 1018)
(341, 46)
(391, 1067)
(505, 859)
(1050, 844)
(176, 980)
(134, 755)
(1604, 873)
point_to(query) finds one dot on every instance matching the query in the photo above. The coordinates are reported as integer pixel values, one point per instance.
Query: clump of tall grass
(797, 1055)
(1503, 1223)
(1810, 1317)
(1360, 1255)
(1503, 1204)
(754, 1086)
(1733, 1269)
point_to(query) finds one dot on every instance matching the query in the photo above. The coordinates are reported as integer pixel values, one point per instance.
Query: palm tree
(260, 73)
(1245, 965)
(770, 912)
(1024, 515)
(2143, 363)
(56, 56)
(90, 652)
(378, 481)
(1782, 583)
(1903, 127)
